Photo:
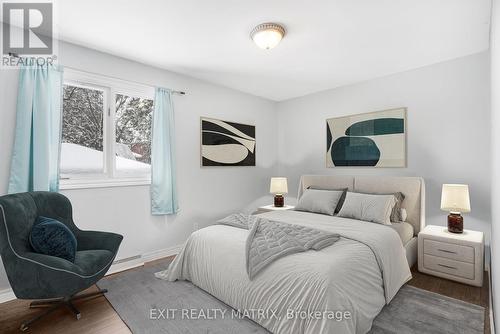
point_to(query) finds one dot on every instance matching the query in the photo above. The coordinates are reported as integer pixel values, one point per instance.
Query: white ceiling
(329, 43)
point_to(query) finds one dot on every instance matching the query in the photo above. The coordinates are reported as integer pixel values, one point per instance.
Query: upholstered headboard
(412, 187)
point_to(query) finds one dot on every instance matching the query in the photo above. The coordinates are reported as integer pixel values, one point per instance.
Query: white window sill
(67, 184)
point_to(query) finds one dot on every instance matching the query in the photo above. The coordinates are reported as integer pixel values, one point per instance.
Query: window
(106, 131)
(133, 134)
(82, 150)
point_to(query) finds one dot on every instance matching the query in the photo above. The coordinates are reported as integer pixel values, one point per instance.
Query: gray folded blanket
(270, 240)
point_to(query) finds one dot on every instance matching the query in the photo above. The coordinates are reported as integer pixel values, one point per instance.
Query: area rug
(149, 305)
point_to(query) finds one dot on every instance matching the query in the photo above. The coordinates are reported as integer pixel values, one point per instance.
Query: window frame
(110, 87)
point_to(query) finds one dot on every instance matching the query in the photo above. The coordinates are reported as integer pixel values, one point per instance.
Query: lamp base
(279, 201)
(455, 223)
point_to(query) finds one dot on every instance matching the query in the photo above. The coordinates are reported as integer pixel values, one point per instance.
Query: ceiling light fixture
(267, 35)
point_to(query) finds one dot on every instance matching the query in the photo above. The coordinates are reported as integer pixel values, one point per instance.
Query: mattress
(357, 275)
(405, 231)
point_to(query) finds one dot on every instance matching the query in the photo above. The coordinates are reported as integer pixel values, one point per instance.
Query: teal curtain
(163, 175)
(36, 152)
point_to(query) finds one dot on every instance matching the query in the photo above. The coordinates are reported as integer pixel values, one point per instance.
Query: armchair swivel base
(54, 304)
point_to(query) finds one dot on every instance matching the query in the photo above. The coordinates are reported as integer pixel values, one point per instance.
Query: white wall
(448, 130)
(495, 142)
(448, 141)
(204, 193)
(8, 94)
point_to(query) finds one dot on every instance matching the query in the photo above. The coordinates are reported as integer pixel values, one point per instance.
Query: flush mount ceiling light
(267, 35)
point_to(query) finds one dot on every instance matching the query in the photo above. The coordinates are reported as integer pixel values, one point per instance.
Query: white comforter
(358, 274)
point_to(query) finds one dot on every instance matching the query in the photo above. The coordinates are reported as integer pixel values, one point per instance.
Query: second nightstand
(267, 208)
(455, 256)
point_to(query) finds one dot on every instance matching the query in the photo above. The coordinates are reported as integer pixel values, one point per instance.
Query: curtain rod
(179, 92)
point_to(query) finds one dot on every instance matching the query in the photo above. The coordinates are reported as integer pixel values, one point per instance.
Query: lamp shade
(278, 185)
(455, 198)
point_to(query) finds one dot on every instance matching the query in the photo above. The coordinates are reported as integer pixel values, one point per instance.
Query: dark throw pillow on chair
(51, 237)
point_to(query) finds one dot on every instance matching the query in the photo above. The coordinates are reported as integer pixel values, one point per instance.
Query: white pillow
(368, 207)
(319, 201)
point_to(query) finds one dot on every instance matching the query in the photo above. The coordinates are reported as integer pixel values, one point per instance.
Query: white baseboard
(490, 295)
(490, 302)
(125, 264)
(140, 260)
(6, 295)
(492, 322)
(159, 254)
(117, 266)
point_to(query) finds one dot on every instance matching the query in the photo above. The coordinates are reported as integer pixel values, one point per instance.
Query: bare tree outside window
(83, 117)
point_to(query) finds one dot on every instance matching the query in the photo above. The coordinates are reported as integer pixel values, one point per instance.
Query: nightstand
(455, 256)
(271, 207)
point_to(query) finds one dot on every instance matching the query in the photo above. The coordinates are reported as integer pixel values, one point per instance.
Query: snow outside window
(106, 132)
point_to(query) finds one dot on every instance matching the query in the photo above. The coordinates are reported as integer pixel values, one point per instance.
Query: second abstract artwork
(376, 139)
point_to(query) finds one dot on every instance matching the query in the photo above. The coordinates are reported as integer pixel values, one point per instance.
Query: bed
(339, 289)
(412, 187)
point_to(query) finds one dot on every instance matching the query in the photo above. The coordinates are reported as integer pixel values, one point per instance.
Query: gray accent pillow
(396, 215)
(319, 201)
(341, 200)
(368, 207)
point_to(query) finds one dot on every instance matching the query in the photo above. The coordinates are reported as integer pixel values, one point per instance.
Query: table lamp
(455, 200)
(278, 188)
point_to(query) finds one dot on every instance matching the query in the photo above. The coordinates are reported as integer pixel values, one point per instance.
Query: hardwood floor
(98, 316)
(467, 293)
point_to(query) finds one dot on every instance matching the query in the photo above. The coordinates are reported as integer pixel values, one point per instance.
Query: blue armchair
(36, 276)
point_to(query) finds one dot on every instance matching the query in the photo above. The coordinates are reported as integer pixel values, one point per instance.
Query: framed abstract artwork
(375, 139)
(227, 143)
